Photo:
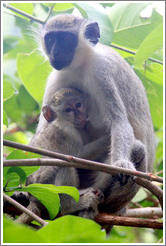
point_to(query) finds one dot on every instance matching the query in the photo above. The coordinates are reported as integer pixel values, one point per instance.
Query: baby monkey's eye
(68, 110)
(78, 105)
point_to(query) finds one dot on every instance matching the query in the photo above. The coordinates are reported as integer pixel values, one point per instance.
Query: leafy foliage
(25, 73)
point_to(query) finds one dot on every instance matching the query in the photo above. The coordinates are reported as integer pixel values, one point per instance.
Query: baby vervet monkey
(67, 130)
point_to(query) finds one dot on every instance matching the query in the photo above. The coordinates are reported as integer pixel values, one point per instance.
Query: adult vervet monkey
(118, 98)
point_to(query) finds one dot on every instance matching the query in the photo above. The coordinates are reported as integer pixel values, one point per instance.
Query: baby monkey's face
(75, 111)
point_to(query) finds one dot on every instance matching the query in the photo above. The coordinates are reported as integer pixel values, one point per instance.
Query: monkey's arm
(95, 149)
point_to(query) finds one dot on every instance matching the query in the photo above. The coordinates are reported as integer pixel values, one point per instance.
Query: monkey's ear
(48, 113)
(92, 32)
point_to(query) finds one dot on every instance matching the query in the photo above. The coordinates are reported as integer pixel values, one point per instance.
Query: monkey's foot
(96, 195)
(21, 197)
(91, 198)
(124, 178)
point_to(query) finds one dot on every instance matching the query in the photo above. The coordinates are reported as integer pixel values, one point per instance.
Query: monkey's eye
(68, 110)
(78, 105)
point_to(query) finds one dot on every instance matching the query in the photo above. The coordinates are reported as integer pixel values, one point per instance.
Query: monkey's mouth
(81, 124)
(58, 65)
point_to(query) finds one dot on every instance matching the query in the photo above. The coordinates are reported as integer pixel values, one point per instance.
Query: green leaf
(62, 6)
(33, 72)
(8, 90)
(107, 4)
(25, 97)
(17, 233)
(9, 43)
(18, 136)
(125, 15)
(25, 7)
(19, 172)
(151, 43)
(48, 4)
(5, 120)
(72, 229)
(140, 196)
(19, 154)
(159, 150)
(121, 234)
(69, 190)
(152, 79)
(97, 13)
(13, 182)
(132, 36)
(17, 176)
(47, 195)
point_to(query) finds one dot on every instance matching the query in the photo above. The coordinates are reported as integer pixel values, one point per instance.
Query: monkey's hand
(95, 149)
(89, 199)
(123, 178)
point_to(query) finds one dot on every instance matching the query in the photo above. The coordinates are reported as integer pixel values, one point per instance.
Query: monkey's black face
(60, 47)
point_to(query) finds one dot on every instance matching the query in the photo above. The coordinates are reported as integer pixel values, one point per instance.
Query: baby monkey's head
(67, 104)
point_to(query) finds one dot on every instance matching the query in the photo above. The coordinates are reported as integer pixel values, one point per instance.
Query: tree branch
(70, 161)
(25, 210)
(82, 163)
(148, 212)
(107, 219)
(88, 165)
(32, 18)
(133, 53)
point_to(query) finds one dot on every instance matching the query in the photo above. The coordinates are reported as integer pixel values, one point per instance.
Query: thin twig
(82, 163)
(32, 18)
(154, 189)
(107, 219)
(50, 12)
(25, 210)
(133, 53)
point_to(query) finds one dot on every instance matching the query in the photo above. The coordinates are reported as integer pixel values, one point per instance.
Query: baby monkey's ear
(48, 113)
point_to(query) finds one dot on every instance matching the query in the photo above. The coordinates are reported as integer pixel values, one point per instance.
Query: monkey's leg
(89, 198)
(120, 189)
(138, 157)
